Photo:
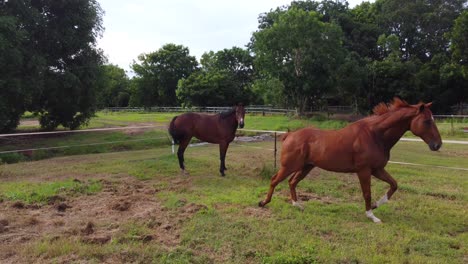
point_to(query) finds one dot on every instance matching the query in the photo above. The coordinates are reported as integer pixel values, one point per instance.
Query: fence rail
(249, 109)
(217, 109)
(209, 109)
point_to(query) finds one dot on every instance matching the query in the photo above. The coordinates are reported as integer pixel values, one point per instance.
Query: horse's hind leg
(180, 153)
(282, 174)
(294, 180)
(383, 175)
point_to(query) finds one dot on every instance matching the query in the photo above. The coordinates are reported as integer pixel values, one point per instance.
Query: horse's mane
(227, 113)
(383, 108)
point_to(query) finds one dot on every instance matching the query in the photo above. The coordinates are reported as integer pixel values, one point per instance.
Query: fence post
(275, 151)
(451, 122)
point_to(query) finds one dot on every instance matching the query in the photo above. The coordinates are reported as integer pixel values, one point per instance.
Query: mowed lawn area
(122, 205)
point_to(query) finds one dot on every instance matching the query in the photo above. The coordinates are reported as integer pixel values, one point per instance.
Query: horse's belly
(337, 160)
(336, 165)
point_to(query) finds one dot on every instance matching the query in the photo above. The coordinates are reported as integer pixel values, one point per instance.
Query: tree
(224, 79)
(454, 86)
(114, 87)
(351, 78)
(455, 75)
(301, 51)
(158, 73)
(208, 88)
(57, 58)
(236, 61)
(420, 25)
(268, 90)
(13, 90)
(459, 42)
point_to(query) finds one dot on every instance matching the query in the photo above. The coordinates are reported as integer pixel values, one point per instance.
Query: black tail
(176, 137)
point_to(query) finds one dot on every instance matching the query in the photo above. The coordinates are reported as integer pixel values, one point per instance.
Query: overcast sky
(133, 27)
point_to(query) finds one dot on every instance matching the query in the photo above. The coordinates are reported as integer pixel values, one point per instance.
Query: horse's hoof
(372, 217)
(184, 173)
(261, 204)
(298, 205)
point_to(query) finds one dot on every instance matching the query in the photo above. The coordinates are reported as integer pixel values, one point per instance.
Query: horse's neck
(392, 126)
(231, 122)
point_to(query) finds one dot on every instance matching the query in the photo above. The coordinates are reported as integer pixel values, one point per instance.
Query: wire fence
(268, 135)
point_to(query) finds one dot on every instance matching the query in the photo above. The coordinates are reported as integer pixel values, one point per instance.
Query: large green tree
(14, 89)
(55, 59)
(225, 78)
(158, 73)
(114, 87)
(300, 50)
(420, 25)
(459, 42)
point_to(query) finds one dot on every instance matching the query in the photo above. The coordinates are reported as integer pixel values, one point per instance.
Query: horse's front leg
(222, 156)
(383, 175)
(365, 181)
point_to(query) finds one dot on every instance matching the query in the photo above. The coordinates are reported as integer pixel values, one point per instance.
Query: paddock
(134, 206)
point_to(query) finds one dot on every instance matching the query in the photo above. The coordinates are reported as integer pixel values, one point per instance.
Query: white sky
(133, 27)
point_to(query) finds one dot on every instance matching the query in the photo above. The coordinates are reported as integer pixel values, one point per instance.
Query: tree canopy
(158, 73)
(50, 60)
(303, 55)
(224, 79)
(302, 52)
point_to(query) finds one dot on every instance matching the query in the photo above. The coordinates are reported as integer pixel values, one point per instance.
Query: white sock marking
(297, 204)
(371, 215)
(382, 200)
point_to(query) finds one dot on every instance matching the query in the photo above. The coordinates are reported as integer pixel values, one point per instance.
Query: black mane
(227, 113)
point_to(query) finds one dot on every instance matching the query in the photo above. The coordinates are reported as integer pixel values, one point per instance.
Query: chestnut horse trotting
(362, 147)
(218, 129)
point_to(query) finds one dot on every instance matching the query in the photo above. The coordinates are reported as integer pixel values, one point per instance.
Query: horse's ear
(428, 105)
(421, 108)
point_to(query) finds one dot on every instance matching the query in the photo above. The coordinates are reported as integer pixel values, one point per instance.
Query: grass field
(129, 206)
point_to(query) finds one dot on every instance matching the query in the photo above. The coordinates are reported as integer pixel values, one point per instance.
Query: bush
(11, 158)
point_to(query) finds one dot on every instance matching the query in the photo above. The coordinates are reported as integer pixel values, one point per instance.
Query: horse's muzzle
(435, 146)
(241, 125)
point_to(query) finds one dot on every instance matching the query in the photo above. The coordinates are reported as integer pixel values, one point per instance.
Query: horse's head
(240, 113)
(423, 126)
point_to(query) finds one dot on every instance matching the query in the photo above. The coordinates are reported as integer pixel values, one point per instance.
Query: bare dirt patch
(93, 219)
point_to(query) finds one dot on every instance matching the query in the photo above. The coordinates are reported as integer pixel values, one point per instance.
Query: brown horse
(362, 147)
(218, 129)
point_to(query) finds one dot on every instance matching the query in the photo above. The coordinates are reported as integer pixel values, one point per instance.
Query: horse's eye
(428, 122)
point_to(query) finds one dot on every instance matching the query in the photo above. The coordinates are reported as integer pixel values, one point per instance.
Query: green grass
(43, 192)
(425, 221)
(80, 143)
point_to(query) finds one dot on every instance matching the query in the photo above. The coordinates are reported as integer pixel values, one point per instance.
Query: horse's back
(333, 150)
(205, 127)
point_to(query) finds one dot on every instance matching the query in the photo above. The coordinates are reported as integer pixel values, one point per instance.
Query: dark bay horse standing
(218, 129)
(362, 147)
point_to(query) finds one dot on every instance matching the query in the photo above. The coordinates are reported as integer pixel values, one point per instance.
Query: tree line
(303, 55)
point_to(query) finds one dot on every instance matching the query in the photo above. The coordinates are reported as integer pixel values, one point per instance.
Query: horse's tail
(176, 137)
